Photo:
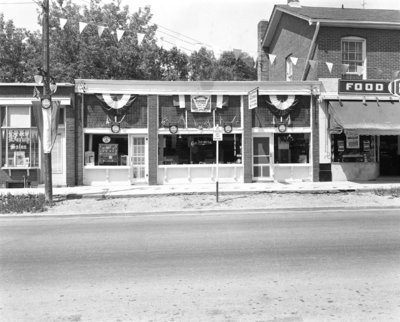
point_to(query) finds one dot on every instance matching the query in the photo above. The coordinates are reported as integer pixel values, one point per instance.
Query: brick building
(355, 53)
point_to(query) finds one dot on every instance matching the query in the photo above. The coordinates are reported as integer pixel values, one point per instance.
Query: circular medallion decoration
(228, 128)
(46, 103)
(115, 128)
(282, 127)
(106, 139)
(173, 129)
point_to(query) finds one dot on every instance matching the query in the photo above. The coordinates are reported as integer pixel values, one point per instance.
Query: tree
(201, 65)
(173, 64)
(19, 52)
(228, 67)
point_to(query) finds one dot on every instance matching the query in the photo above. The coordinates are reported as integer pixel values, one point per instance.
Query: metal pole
(217, 170)
(48, 185)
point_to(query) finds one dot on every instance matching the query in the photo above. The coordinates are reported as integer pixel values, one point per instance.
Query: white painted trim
(28, 100)
(107, 131)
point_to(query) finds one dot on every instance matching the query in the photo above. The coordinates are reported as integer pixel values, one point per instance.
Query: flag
(271, 58)
(63, 21)
(120, 33)
(100, 30)
(220, 101)
(179, 101)
(82, 26)
(330, 66)
(47, 123)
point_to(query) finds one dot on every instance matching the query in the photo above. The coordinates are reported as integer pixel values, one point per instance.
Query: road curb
(191, 212)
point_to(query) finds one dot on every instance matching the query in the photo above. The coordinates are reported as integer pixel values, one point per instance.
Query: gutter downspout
(312, 48)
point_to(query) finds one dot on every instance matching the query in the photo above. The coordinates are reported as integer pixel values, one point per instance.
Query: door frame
(131, 138)
(270, 136)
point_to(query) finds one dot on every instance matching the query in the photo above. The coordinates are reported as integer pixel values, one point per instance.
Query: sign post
(217, 136)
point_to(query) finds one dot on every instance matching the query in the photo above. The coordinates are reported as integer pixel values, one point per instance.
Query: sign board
(108, 154)
(218, 133)
(364, 87)
(201, 104)
(253, 98)
(394, 87)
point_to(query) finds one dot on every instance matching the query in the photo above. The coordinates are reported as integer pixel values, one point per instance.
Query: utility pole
(48, 184)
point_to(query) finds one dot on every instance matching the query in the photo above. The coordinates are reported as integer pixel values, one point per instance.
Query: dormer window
(354, 55)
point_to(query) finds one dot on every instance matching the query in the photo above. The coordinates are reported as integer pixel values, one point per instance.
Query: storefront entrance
(262, 158)
(138, 159)
(389, 155)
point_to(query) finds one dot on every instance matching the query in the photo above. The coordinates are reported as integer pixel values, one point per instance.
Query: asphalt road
(301, 266)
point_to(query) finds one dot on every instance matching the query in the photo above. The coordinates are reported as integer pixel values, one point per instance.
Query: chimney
(294, 3)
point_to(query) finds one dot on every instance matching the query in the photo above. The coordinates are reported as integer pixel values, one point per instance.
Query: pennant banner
(237, 53)
(100, 30)
(360, 70)
(140, 37)
(345, 68)
(120, 33)
(313, 63)
(330, 66)
(82, 26)
(294, 60)
(47, 123)
(63, 21)
(271, 58)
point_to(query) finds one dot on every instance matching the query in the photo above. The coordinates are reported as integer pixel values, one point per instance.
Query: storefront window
(199, 149)
(292, 148)
(353, 148)
(20, 142)
(106, 150)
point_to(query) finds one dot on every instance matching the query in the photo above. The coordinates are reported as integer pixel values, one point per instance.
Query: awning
(369, 118)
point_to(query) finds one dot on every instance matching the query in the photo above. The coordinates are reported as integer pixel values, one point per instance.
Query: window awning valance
(369, 118)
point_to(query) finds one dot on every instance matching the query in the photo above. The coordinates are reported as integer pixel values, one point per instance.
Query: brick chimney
(294, 3)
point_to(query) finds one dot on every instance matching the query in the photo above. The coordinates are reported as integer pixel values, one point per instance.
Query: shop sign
(201, 104)
(364, 86)
(18, 140)
(253, 98)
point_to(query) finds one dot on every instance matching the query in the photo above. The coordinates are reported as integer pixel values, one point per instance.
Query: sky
(219, 24)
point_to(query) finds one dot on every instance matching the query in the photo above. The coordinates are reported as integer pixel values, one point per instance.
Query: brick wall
(262, 61)
(79, 159)
(382, 48)
(315, 139)
(152, 105)
(293, 36)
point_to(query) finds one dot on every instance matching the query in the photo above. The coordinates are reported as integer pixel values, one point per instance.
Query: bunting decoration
(63, 21)
(294, 60)
(237, 53)
(82, 26)
(100, 30)
(313, 63)
(345, 68)
(271, 58)
(120, 33)
(330, 66)
(140, 37)
(281, 105)
(360, 70)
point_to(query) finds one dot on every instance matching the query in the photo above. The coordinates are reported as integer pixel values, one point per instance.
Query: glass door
(138, 159)
(262, 158)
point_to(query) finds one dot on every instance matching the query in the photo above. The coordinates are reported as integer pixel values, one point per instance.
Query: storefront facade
(21, 156)
(151, 132)
(359, 130)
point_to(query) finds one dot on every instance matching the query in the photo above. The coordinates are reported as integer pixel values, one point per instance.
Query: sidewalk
(120, 191)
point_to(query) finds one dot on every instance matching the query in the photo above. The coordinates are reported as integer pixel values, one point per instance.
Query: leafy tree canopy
(75, 54)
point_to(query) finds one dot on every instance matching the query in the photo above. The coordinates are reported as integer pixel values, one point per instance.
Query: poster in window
(340, 145)
(366, 145)
(19, 158)
(353, 142)
(201, 104)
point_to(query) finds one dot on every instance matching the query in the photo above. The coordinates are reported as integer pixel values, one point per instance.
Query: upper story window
(289, 69)
(354, 54)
